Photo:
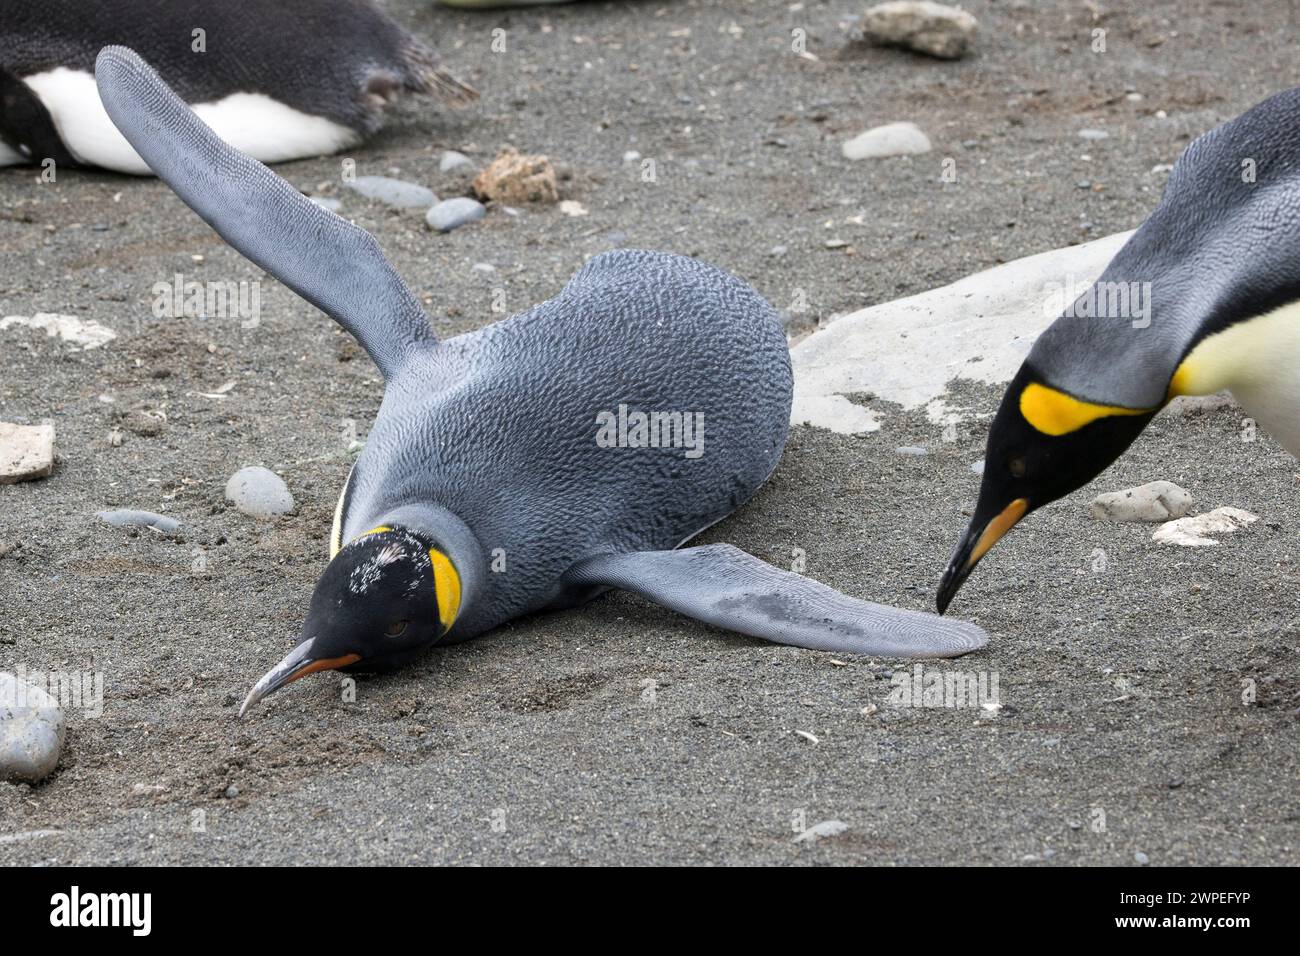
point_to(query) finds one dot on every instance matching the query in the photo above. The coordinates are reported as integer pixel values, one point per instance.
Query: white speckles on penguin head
(392, 556)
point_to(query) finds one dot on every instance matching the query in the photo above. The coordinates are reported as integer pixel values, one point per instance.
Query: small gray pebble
(126, 518)
(231, 792)
(394, 192)
(977, 466)
(1141, 858)
(454, 160)
(453, 213)
(916, 450)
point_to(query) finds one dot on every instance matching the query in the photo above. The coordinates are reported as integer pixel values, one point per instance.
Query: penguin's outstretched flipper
(721, 585)
(334, 265)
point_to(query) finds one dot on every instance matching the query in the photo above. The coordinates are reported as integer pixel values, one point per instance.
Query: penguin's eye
(397, 628)
(1017, 467)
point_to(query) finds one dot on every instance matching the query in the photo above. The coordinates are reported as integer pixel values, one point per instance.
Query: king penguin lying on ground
(1217, 269)
(278, 79)
(488, 442)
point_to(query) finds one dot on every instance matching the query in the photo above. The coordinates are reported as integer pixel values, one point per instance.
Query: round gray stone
(259, 492)
(31, 731)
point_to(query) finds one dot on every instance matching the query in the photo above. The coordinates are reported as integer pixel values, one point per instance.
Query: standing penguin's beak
(299, 662)
(982, 533)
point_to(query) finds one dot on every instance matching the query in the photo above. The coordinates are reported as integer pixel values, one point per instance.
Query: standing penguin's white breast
(1258, 360)
(254, 123)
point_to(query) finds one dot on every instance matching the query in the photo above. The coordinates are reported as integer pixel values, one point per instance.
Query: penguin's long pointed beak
(979, 537)
(299, 662)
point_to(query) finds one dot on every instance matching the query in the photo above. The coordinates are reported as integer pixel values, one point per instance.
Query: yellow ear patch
(1055, 413)
(447, 584)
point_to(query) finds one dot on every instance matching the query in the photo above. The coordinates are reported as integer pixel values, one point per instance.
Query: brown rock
(515, 178)
(920, 25)
(145, 421)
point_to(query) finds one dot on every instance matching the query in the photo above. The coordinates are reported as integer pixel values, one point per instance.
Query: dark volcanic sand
(1122, 689)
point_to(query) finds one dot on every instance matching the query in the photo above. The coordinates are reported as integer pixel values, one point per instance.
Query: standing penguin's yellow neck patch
(1056, 413)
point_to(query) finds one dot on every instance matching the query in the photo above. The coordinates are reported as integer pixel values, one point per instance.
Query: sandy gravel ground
(621, 733)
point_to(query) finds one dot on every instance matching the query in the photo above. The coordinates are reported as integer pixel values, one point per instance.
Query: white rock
(84, 332)
(394, 192)
(980, 328)
(259, 492)
(26, 452)
(31, 731)
(1093, 134)
(327, 202)
(571, 207)
(454, 160)
(933, 28)
(892, 139)
(819, 831)
(1154, 501)
(1195, 532)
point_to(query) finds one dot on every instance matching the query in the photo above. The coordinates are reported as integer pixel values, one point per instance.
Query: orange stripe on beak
(330, 663)
(996, 528)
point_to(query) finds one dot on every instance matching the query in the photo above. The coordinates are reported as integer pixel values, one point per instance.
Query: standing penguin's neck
(457, 558)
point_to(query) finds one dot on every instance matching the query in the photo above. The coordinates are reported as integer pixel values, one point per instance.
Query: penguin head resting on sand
(1204, 296)
(384, 598)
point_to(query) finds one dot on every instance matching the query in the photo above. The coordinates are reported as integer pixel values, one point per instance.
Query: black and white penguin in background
(276, 79)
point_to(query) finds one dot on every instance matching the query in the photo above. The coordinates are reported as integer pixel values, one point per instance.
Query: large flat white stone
(907, 351)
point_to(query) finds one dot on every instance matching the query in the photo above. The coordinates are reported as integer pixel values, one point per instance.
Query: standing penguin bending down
(1205, 296)
(277, 79)
(516, 441)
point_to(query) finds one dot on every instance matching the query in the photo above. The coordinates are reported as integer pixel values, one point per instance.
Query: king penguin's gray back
(500, 425)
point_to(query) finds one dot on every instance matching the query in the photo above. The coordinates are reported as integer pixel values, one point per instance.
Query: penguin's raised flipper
(722, 585)
(334, 265)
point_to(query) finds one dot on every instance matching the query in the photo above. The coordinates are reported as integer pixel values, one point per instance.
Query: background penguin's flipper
(334, 265)
(722, 585)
